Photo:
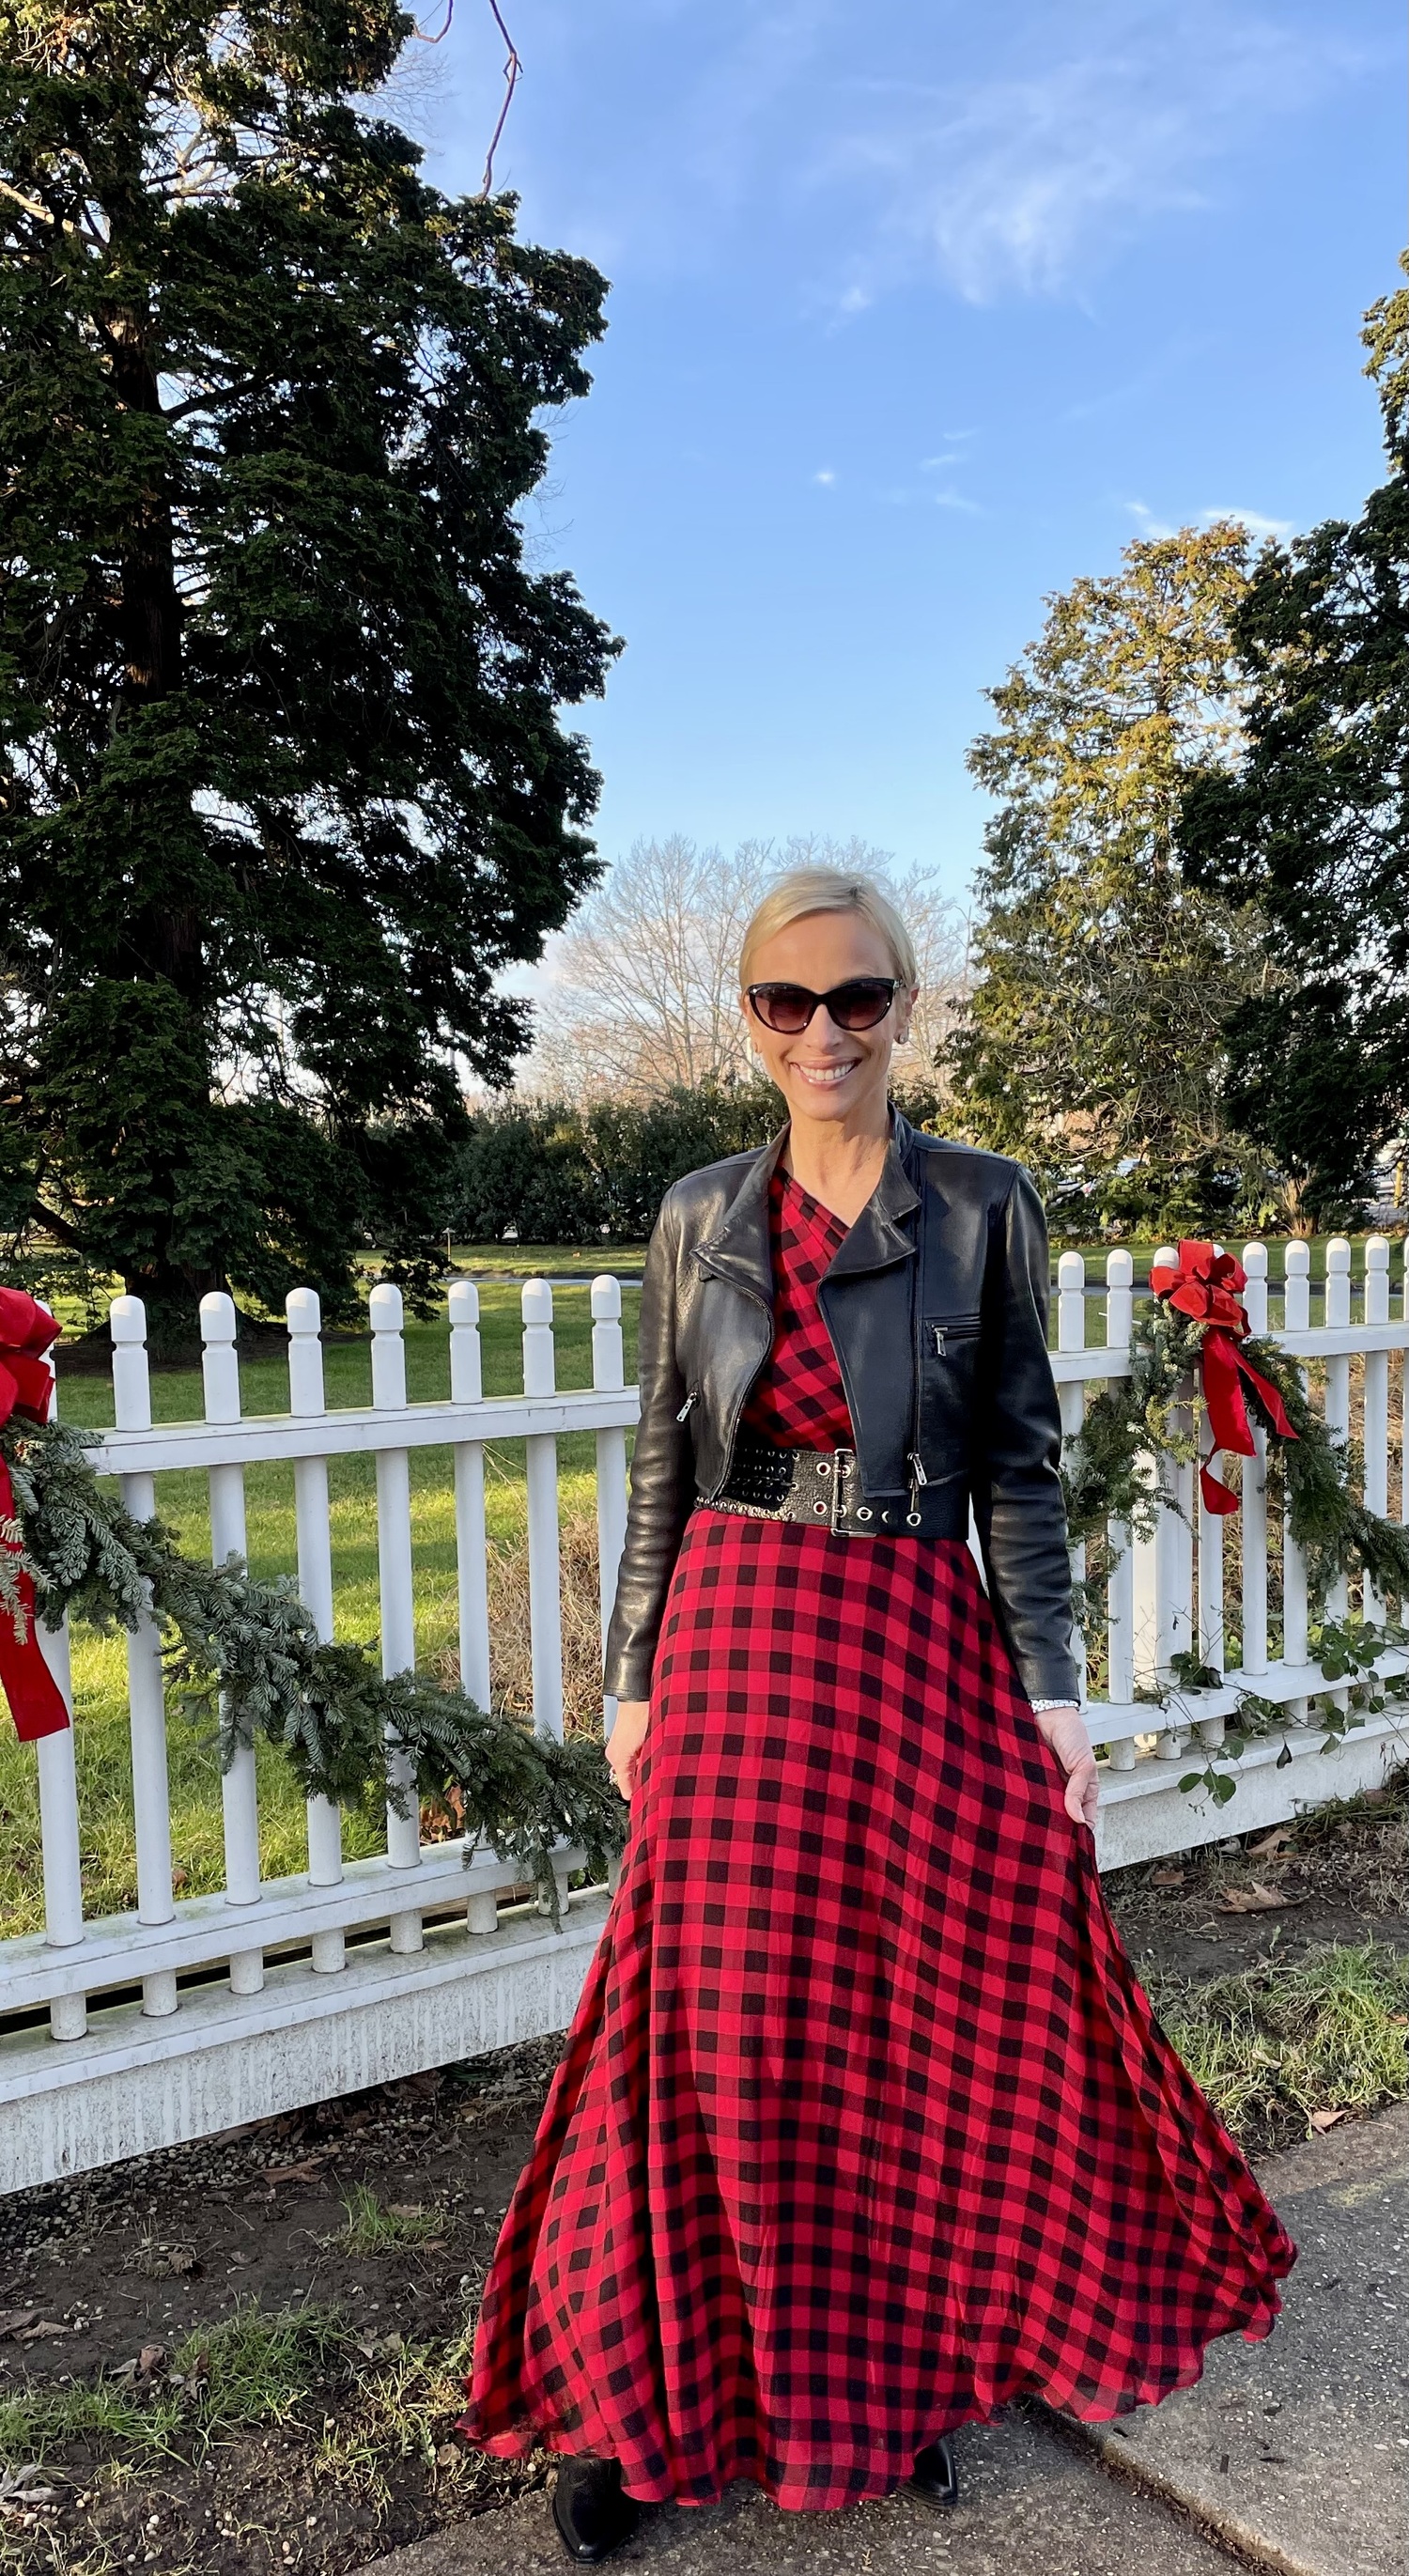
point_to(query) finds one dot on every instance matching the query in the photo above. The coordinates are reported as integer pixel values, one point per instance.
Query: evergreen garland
(249, 1652)
(1107, 1476)
(1106, 1464)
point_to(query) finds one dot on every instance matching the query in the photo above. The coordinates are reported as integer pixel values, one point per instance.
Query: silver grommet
(886, 1518)
(864, 1512)
(823, 1466)
(912, 1520)
(819, 1507)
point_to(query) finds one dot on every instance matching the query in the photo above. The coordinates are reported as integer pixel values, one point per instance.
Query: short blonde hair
(829, 890)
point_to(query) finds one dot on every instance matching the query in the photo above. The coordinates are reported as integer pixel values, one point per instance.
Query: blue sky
(919, 311)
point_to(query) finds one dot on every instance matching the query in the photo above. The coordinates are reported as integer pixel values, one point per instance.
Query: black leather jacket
(937, 1308)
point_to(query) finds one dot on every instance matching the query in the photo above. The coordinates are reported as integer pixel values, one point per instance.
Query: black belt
(822, 1487)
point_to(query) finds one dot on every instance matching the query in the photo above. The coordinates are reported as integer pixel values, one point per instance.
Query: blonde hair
(829, 890)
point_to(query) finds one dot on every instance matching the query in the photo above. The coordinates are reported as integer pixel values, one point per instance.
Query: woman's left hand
(1065, 1730)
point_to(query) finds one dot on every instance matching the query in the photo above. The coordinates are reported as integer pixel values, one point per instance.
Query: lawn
(99, 1663)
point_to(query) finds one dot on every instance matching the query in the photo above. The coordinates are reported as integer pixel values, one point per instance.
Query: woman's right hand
(625, 1741)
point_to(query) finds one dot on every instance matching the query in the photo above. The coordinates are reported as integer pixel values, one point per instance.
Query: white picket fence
(188, 2016)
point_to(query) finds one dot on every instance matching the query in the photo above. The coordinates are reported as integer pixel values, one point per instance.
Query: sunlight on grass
(372, 2229)
(1329, 2032)
(252, 2368)
(99, 1663)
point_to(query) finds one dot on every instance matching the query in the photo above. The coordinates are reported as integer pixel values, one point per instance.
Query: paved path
(1292, 2454)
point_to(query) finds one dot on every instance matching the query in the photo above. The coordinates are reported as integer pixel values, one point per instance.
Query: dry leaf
(448, 2454)
(1256, 1899)
(150, 2358)
(14, 2320)
(1166, 1878)
(311, 2170)
(35, 2333)
(1272, 1842)
(1323, 2120)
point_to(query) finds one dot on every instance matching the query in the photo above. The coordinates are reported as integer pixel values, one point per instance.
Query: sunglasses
(787, 1008)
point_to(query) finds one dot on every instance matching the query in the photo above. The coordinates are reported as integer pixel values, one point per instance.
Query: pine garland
(248, 1652)
(1108, 1476)
(1106, 1467)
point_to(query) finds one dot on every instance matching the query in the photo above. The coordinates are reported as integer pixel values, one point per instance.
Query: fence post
(1071, 1336)
(398, 1607)
(220, 1369)
(1174, 1561)
(1338, 1404)
(304, 1316)
(545, 1611)
(58, 1818)
(1254, 1611)
(146, 1679)
(608, 1370)
(1296, 1648)
(1120, 1585)
(467, 1387)
(1376, 1403)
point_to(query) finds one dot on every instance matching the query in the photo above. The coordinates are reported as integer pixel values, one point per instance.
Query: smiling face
(837, 1077)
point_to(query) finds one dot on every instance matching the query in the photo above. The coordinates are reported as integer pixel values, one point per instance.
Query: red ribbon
(1208, 1285)
(26, 1331)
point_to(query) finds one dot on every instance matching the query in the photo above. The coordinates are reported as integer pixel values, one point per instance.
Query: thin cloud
(825, 474)
(1032, 180)
(1255, 521)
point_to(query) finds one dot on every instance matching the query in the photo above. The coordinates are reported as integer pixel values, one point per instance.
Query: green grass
(1329, 2032)
(99, 1664)
(372, 2229)
(252, 2368)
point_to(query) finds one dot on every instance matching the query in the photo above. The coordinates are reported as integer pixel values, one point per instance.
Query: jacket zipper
(687, 1408)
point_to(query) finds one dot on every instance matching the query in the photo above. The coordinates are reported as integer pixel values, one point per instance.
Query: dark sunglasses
(787, 1008)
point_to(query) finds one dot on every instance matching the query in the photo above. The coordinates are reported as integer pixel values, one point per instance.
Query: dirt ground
(112, 2272)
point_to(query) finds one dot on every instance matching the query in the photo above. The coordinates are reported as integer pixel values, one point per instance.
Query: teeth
(824, 1072)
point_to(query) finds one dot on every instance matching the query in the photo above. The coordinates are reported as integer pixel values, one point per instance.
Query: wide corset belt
(823, 1487)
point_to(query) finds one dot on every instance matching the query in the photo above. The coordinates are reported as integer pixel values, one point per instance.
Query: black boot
(935, 2479)
(593, 2515)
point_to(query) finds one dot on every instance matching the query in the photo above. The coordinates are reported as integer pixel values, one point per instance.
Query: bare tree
(645, 990)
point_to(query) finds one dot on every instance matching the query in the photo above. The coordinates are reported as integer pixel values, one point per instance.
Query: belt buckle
(841, 1459)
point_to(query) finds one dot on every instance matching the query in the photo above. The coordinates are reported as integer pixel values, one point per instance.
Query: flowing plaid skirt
(864, 2125)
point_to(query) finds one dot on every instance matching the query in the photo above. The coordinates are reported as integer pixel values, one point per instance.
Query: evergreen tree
(1091, 1043)
(283, 781)
(1313, 828)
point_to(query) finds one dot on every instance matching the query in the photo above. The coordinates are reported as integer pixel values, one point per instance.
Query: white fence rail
(188, 2015)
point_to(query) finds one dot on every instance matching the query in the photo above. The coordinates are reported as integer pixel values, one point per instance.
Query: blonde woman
(863, 2126)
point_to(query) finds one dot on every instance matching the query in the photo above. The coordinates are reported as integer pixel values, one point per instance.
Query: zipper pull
(939, 1341)
(917, 1470)
(688, 1405)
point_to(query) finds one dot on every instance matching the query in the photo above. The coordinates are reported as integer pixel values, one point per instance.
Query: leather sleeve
(1017, 1492)
(662, 1476)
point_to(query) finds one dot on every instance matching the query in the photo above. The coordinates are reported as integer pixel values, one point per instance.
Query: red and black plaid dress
(864, 2125)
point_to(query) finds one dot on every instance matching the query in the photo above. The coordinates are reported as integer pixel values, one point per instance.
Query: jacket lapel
(740, 1252)
(881, 1234)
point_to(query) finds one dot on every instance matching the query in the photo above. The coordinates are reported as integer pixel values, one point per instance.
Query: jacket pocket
(947, 1336)
(949, 1347)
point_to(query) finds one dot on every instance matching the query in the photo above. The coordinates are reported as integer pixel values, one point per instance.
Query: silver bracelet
(1035, 1704)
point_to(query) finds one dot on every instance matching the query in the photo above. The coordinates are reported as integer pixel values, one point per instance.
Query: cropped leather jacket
(936, 1304)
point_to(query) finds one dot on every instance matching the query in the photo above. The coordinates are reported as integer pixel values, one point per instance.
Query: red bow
(26, 1331)
(1208, 1285)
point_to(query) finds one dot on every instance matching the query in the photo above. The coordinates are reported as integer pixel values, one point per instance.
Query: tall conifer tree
(1091, 1045)
(282, 779)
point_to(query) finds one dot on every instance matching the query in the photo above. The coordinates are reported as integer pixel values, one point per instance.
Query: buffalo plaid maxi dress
(863, 2126)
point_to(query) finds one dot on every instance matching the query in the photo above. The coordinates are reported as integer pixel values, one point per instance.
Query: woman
(863, 2126)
